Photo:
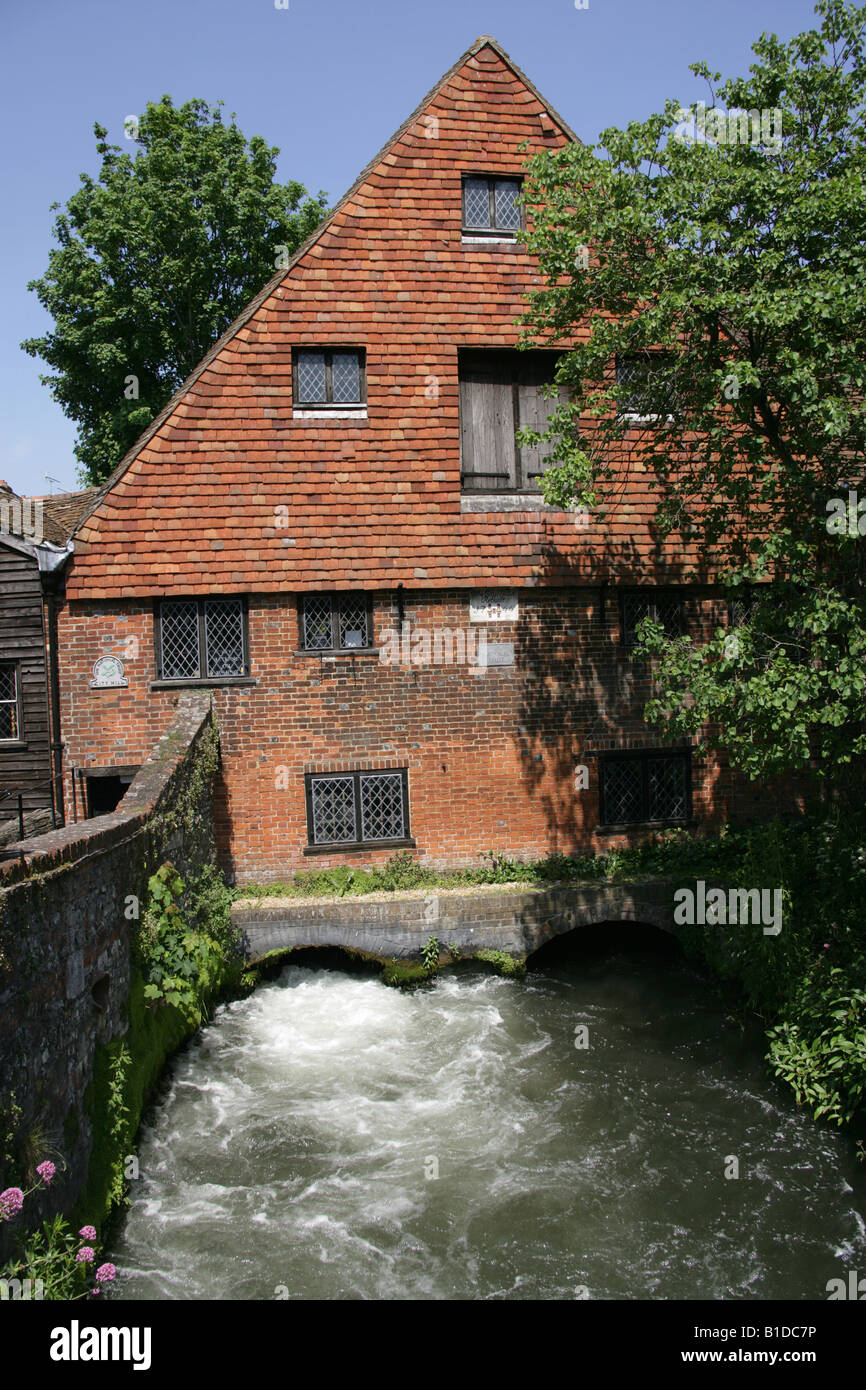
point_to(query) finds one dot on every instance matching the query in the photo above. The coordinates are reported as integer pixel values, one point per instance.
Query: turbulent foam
(343, 1139)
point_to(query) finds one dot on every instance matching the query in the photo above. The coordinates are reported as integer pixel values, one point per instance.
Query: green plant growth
(505, 964)
(430, 955)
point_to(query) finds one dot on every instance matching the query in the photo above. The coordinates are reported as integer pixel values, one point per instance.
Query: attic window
(329, 377)
(490, 206)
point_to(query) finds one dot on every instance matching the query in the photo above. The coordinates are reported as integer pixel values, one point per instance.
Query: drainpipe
(56, 745)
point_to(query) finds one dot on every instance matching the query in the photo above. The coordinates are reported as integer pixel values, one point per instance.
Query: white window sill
(356, 413)
(629, 418)
(482, 240)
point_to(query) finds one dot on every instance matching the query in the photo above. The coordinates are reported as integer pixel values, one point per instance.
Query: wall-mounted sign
(108, 674)
(493, 606)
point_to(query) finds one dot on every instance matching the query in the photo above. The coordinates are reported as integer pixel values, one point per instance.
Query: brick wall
(491, 755)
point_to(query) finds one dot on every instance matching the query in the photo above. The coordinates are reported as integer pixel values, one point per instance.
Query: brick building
(332, 526)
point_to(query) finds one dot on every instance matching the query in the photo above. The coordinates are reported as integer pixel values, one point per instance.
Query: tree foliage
(155, 259)
(722, 252)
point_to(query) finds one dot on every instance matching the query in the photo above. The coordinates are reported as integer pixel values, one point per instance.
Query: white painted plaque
(108, 674)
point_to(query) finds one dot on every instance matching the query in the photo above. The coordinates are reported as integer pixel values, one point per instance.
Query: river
(329, 1137)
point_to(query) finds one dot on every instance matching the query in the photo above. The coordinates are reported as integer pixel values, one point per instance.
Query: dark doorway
(104, 793)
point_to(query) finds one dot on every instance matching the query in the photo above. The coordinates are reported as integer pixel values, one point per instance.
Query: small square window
(491, 206)
(329, 377)
(336, 622)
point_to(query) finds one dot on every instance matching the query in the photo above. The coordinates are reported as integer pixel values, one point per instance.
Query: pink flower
(46, 1171)
(87, 1233)
(85, 1255)
(105, 1273)
(11, 1202)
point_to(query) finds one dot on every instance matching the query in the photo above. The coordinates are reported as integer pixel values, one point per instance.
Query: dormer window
(327, 378)
(490, 206)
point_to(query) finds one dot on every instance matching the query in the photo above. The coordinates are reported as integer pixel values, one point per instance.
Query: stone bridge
(394, 926)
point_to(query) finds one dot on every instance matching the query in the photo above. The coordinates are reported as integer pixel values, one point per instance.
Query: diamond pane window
(329, 377)
(663, 608)
(507, 208)
(199, 639)
(490, 204)
(317, 622)
(666, 779)
(622, 792)
(353, 621)
(333, 803)
(224, 633)
(645, 788)
(180, 640)
(336, 622)
(476, 203)
(642, 390)
(346, 372)
(382, 806)
(357, 808)
(311, 376)
(9, 717)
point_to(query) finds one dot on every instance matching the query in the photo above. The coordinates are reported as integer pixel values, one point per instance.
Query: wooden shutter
(487, 422)
(534, 411)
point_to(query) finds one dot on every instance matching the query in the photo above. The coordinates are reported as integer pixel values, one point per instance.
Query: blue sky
(328, 81)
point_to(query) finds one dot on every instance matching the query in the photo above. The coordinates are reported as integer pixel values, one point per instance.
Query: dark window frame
(644, 756)
(505, 359)
(335, 599)
(492, 180)
(323, 846)
(201, 601)
(653, 596)
(328, 353)
(18, 737)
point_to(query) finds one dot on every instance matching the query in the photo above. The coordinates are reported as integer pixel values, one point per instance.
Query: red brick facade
(233, 492)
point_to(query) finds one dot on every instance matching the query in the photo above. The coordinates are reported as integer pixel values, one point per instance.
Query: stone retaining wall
(67, 909)
(518, 920)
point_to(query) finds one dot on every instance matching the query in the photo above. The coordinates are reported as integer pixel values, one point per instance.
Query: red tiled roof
(197, 505)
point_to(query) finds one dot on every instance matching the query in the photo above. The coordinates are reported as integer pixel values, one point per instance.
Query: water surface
(332, 1138)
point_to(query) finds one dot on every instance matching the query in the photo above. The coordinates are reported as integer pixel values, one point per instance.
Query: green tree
(155, 259)
(718, 255)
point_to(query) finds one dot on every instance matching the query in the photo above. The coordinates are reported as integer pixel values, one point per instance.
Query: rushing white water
(332, 1138)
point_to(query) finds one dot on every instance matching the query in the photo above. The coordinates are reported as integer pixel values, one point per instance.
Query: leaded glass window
(644, 388)
(491, 204)
(329, 377)
(357, 807)
(202, 639)
(659, 607)
(645, 788)
(10, 718)
(335, 622)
